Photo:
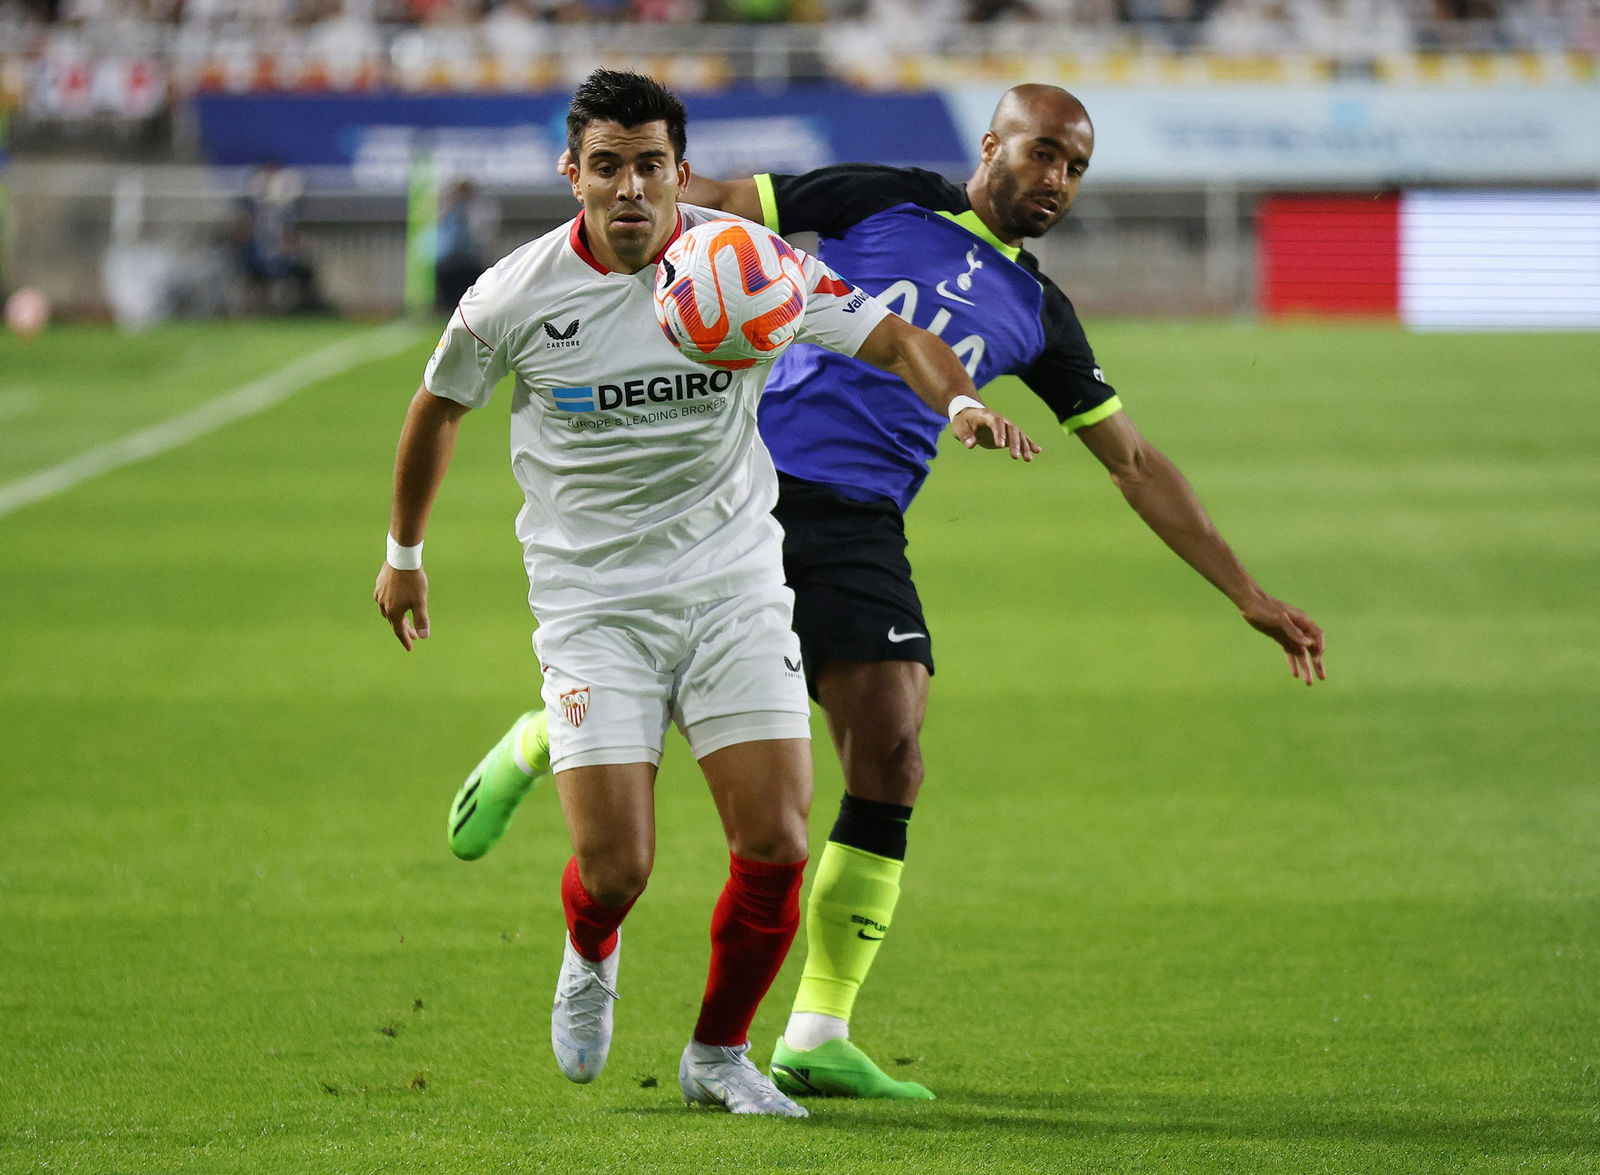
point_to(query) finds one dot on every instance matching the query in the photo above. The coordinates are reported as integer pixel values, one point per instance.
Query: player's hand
(402, 597)
(987, 429)
(1294, 631)
(564, 163)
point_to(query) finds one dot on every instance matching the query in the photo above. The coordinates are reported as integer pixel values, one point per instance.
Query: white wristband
(404, 558)
(961, 403)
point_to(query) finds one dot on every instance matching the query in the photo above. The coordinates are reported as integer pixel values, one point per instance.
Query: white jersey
(645, 480)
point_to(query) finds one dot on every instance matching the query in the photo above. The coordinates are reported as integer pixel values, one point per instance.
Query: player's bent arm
(1167, 503)
(930, 368)
(427, 442)
(739, 197)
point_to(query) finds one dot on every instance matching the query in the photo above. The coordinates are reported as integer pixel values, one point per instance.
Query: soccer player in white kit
(654, 564)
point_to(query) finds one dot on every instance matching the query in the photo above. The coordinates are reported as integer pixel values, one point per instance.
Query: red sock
(593, 927)
(751, 929)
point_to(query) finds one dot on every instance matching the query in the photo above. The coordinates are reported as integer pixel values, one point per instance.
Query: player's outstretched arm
(736, 196)
(426, 443)
(1162, 496)
(932, 370)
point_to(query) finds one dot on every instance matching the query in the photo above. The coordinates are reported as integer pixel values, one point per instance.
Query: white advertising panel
(1344, 134)
(1508, 260)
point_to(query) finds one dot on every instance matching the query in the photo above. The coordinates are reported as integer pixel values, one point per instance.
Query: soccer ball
(731, 294)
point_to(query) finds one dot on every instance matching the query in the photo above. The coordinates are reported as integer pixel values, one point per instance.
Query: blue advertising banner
(514, 140)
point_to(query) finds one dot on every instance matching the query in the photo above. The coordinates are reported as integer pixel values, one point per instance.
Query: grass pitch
(1166, 910)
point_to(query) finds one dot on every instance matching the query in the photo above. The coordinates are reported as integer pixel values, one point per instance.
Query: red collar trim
(577, 237)
(677, 231)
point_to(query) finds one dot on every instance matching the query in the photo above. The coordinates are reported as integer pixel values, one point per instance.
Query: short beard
(1004, 191)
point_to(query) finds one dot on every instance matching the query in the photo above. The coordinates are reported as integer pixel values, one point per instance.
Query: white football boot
(722, 1076)
(580, 1019)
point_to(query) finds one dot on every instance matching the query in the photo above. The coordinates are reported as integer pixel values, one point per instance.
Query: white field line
(248, 400)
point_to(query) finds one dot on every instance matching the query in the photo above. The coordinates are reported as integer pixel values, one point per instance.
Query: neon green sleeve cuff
(769, 201)
(1094, 416)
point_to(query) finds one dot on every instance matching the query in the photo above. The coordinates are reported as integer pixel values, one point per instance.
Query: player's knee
(779, 843)
(616, 879)
(893, 771)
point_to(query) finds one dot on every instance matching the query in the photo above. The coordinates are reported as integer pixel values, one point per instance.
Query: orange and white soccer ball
(731, 294)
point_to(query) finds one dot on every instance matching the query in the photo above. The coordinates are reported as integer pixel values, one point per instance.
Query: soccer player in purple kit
(947, 257)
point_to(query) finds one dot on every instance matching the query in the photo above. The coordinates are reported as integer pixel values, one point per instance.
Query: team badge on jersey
(575, 704)
(963, 281)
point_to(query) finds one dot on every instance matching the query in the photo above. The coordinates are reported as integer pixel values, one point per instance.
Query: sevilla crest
(575, 704)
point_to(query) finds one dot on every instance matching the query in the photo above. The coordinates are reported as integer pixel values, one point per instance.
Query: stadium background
(1341, 258)
(134, 126)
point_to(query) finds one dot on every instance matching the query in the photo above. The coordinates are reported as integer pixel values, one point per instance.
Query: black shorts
(846, 563)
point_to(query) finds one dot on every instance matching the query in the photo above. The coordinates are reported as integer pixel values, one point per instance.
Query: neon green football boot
(836, 1068)
(484, 805)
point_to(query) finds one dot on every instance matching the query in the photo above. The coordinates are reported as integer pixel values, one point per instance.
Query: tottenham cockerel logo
(567, 337)
(575, 704)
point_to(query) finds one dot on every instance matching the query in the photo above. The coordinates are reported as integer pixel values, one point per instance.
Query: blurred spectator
(669, 11)
(514, 33)
(463, 242)
(346, 42)
(278, 276)
(751, 11)
(1248, 28)
(988, 11)
(1462, 24)
(1174, 23)
(1351, 30)
(447, 44)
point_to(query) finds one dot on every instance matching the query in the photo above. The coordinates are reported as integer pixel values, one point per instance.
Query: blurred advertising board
(1435, 260)
(513, 141)
(1338, 134)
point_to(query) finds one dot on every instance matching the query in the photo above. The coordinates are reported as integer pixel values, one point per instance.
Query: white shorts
(726, 672)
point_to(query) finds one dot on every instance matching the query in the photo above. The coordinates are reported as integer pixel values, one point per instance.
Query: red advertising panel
(1330, 255)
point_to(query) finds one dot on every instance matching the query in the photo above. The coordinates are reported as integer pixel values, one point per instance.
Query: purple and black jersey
(910, 238)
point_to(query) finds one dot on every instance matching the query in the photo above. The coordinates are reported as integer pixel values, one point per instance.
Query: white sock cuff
(516, 748)
(806, 1030)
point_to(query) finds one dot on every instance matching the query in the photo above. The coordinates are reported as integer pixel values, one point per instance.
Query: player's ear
(572, 178)
(683, 175)
(988, 146)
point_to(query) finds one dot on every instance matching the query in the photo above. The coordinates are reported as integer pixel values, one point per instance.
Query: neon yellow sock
(533, 744)
(852, 901)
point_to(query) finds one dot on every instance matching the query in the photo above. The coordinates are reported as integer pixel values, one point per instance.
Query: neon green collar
(971, 221)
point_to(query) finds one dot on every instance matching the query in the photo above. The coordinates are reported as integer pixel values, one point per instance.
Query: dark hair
(628, 99)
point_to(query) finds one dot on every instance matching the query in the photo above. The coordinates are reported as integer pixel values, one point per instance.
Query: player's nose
(631, 184)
